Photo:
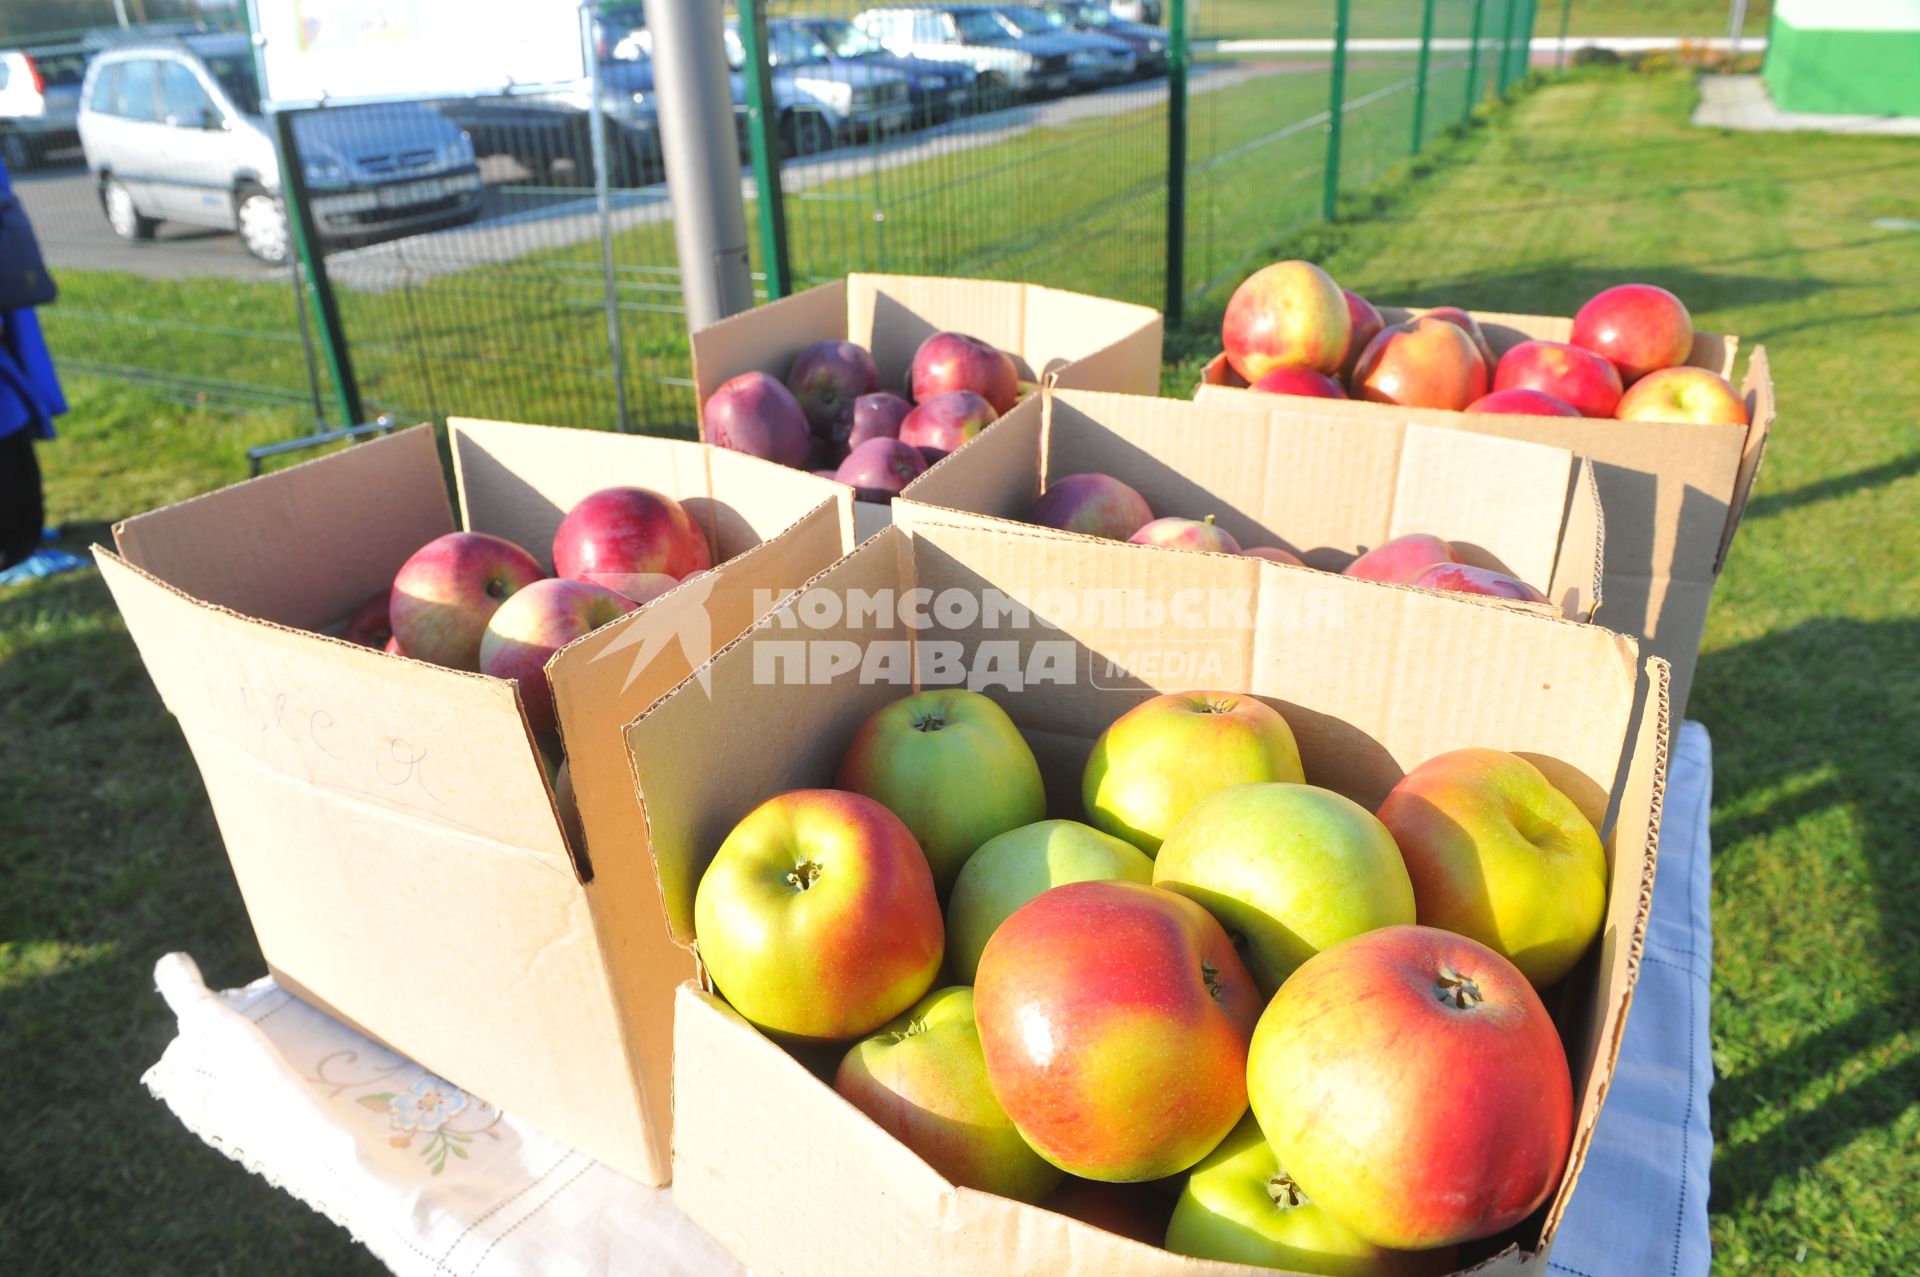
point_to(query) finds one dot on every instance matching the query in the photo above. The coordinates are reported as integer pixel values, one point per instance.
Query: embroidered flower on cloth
(427, 1107)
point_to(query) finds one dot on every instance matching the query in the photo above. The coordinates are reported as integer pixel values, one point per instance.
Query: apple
(1364, 323)
(1300, 381)
(1186, 534)
(1151, 765)
(1575, 376)
(1114, 1018)
(527, 629)
(1471, 327)
(880, 467)
(947, 362)
(922, 1080)
(1683, 394)
(1240, 1205)
(1012, 868)
(1497, 853)
(827, 377)
(1414, 1087)
(1287, 315)
(1421, 363)
(368, 625)
(393, 647)
(1401, 559)
(1639, 328)
(1274, 554)
(1138, 1211)
(633, 540)
(755, 414)
(1523, 403)
(943, 422)
(874, 416)
(1464, 578)
(951, 764)
(1096, 504)
(817, 918)
(446, 592)
(1288, 870)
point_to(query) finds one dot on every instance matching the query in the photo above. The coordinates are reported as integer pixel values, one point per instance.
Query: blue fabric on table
(1641, 1204)
(30, 396)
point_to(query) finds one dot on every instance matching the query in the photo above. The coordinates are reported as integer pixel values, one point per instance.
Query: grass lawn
(110, 857)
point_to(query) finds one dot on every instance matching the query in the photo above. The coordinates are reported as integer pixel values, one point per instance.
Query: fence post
(1560, 58)
(299, 214)
(1515, 63)
(1336, 111)
(1473, 59)
(603, 206)
(1176, 302)
(1420, 91)
(763, 140)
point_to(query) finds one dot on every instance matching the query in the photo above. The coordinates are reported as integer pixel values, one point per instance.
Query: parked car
(543, 130)
(938, 90)
(39, 102)
(1097, 59)
(1149, 43)
(1153, 12)
(172, 132)
(1009, 66)
(822, 102)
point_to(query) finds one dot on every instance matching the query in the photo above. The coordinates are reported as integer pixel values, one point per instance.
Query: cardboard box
(1372, 681)
(1089, 343)
(1674, 492)
(390, 823)
(1275, 474)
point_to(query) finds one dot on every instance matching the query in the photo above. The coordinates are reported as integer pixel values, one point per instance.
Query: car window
(106, 90)
(979, 25)
(1024, 20)
(138, 84)
(235, 75)
(184, 101)
(64, 70)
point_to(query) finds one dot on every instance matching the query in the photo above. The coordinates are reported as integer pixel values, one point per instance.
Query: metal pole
(1420, 92)
(120, 12)
(1177, 55)
(299, 213)
(603, 203)
(763, 141)
(1336, 112)
(702, 157)
(1506, 47)
(1736, 25)
(1473, 58)
(1560, 58)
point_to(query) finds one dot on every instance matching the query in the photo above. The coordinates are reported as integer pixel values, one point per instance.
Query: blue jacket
(30, 395)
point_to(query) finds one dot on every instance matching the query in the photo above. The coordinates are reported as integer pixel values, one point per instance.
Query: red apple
(1413, 1085)
(1422, 363)
(1114, 1018)
(1471, 327)
(1300, 381)
(1138, 1211)
(1287, 315)
(1401, 559)
(1639, 328)
(1274, 554)
(1364, 324)
(368, 625)
(1523, 403)
(755, 414)
(1464, 578)
(874, 416)
(1186, 534)
(879, 468)
(1683, 394)
(1568, 373)
(633, 540)
(1096, 504)
(393, 647)
(827, 377)
(444, 595)
(945, 421)
(817, 918)
(947, 362)
(526, 630)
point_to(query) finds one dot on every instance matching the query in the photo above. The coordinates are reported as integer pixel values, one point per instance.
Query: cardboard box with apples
(1067, 635)
(1277, 473)
(390, 821)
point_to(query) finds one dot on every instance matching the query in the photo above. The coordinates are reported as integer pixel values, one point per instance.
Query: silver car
(173, 132)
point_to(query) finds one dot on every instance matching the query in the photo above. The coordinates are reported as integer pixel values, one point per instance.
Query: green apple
(952, 765)
(1164, 755)
(1012, 869)
(923, 1080)
(1241, 1206)
(1288, 870)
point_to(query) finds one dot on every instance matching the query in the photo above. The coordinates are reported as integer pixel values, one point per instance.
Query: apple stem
(1208, 520)
(1285, 1192)
(804, 875)
(929, 723)
(1210, 976)
(1461, 991)
(914, 1028)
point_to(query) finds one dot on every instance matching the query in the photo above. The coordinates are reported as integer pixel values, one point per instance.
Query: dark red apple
(1523, 403)
(1300, 381)
(1365, 323)
(1096, 504)
(879, 468)
(633, 540)
(874, 416)
(827, 377)
(1639, 328)
(368, 625)
(755, 414)
(945, 421)
(1578, 377)
(947, 362)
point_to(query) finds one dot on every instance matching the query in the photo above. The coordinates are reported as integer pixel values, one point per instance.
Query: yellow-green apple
(1138, 1211)
(756, 414)
(1287, 315)
(943, 422)
(951, 764)
(368, 626)
(1576, 377)
(922, 1079)
(1186, 534)
(827, 377)
(526, 630)
(1401, 559)
(817, 918)
(1414, 1087)
(1151, 765)
(1471, 327)
(1683, 394)
(1288, 870)
(1464, 578)
(1300, 381)
(874, 416)
(1640, 328)
(1114, 1018)
(879, 468)
(634, 540)
(1274, 554)
(947, 362)
(1421, 363)
(1096, 504)
(1497, 853)
(1523, 403)
(1240, 1205)
(446, 592)
(1364, 323)
(1013, 868)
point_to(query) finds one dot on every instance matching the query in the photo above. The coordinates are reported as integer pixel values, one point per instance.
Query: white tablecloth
(435, 1182)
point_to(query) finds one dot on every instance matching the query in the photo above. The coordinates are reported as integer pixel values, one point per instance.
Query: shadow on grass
(1768, 504)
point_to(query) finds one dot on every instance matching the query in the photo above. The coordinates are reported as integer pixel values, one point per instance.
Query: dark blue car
(938, 90)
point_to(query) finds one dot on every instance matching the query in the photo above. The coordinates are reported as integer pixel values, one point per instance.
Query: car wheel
(263, 227)
(805, 133)
(991, 92)
(122, 214)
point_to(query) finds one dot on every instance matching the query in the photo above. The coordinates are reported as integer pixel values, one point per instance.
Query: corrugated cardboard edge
(1758, 389)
